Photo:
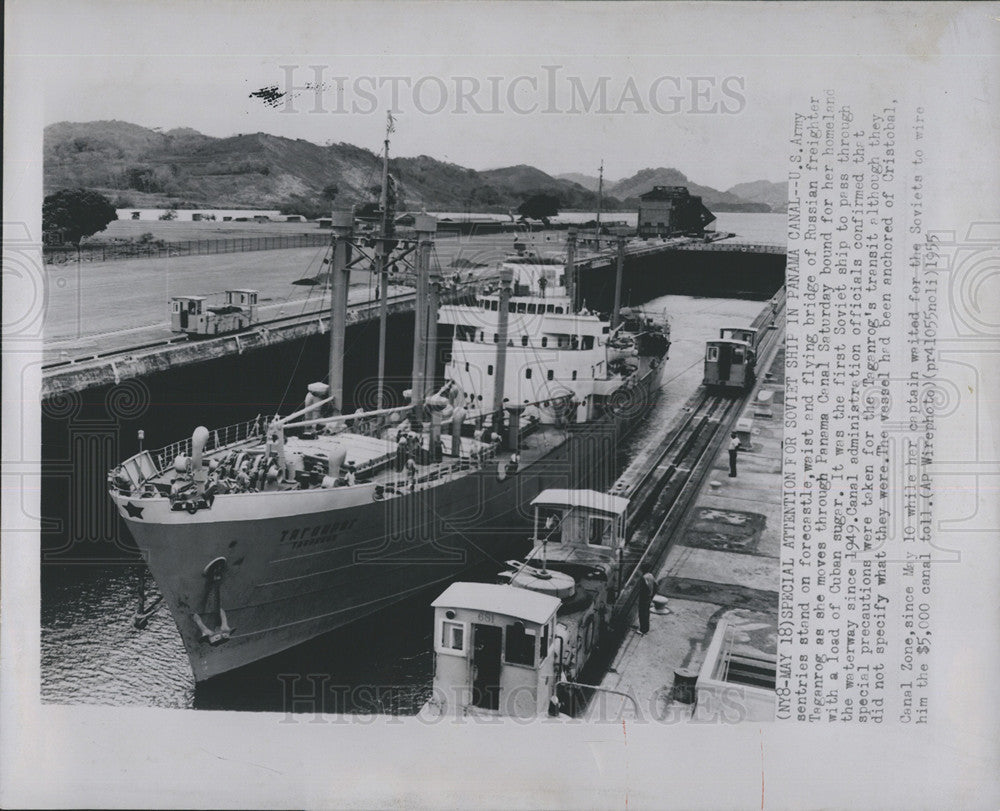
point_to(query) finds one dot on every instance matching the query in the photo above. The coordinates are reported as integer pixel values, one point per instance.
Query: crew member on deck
(647, 590)
(401, 446)
(734, 447)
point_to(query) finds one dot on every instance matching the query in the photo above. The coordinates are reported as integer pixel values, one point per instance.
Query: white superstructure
(553, 355)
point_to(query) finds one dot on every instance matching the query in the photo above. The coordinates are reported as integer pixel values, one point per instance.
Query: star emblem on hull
(132, 510)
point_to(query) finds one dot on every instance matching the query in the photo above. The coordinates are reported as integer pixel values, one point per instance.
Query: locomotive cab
(505, 648)
(244, 298)
(578, 524)
(747, 335)
(494, 650)
(730, 364)
(579, 542)
(184, 310)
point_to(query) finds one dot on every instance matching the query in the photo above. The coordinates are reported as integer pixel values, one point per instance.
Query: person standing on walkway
(734, 447)
(647, 590)
(401, 445)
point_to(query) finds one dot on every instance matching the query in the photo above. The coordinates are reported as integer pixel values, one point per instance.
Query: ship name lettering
(316, 531)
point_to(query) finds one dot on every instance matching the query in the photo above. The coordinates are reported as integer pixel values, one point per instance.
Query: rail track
(672, 474)
(321, 313)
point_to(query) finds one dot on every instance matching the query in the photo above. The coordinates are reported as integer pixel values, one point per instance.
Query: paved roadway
(97, 307)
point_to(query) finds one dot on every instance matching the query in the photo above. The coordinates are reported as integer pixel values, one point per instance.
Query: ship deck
(376, 460)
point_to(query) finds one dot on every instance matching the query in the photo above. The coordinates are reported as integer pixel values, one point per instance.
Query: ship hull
(295, 569)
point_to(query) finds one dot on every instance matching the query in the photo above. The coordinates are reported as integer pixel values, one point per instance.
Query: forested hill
(138, 166)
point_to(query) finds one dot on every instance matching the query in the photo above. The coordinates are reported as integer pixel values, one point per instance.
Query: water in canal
(92, 654)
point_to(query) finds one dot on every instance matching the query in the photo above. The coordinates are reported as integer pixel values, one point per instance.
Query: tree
(369, 211)
(539, 207)
(330, 191)
(77, 213)
(485, 195)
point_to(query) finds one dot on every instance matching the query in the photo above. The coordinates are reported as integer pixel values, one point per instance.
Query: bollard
(685, 686)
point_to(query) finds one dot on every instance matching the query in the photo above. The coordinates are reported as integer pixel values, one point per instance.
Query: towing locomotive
(504, 648)
(731, 359)
(197, 317)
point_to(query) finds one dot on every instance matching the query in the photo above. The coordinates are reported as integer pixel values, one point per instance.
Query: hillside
(137, 166)
(629, 189)
(774, 195)
(589, 182)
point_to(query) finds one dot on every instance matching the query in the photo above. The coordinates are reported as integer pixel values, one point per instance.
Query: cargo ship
(264, 535)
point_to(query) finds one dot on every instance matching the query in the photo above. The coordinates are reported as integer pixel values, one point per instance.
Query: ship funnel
(315, 393)
(198, 441)
(336, 459)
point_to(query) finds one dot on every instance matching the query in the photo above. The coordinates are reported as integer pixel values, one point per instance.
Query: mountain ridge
(150, 167)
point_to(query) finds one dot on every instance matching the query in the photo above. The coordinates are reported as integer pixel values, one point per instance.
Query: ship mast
(340, 281)
(570, 279)
(386, 230)
(503, 321)
(600, 200)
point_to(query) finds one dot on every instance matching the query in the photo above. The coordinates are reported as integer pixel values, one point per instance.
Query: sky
(562, 86)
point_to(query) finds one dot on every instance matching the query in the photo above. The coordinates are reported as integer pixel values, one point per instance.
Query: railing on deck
(219, 438)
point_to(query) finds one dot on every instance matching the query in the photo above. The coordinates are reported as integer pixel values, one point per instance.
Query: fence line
(195, 247)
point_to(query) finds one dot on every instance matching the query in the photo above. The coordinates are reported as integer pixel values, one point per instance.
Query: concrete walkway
(722, 563)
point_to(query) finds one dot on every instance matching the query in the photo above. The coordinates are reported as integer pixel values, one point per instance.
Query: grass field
(173, 231)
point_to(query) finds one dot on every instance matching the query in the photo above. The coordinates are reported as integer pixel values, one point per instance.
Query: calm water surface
(92, 654)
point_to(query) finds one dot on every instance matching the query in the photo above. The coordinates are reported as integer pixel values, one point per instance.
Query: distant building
(196, 215)
(667, 211)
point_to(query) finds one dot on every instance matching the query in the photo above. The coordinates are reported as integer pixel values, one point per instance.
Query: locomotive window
(544, 645)
(489, 369)
(520, 647)
(524, 340)
(453, 636)
(599, 532)
(550, 374)
(713, 353)
(550, 525)
(738, 354)
(545, 340)
(527, 373)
